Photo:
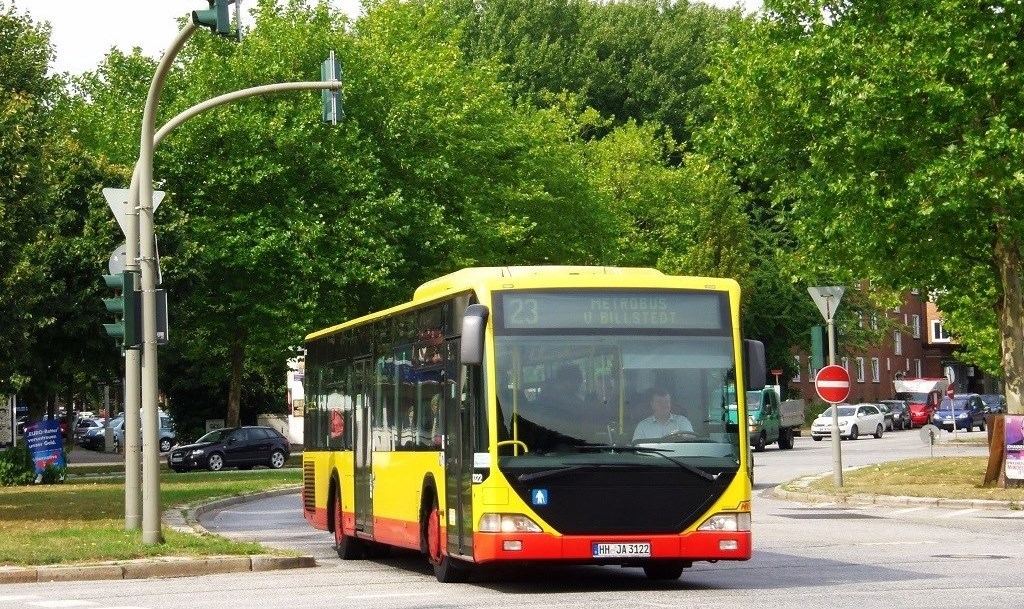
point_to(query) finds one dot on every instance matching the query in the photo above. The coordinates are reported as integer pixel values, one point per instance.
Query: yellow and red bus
(494, 418)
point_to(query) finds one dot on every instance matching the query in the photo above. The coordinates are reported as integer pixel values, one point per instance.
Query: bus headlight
(727, 521)
(507, 523)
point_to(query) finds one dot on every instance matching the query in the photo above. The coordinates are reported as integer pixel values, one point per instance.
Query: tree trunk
(237, 364)
(1011, 317)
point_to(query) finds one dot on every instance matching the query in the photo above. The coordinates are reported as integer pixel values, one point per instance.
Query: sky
(84, 31)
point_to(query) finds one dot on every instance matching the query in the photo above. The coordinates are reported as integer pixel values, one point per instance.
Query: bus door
(362, 389)
(461, 400)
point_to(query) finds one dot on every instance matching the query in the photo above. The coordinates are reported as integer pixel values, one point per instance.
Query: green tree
(887, 133)
(25, 92)
(640, 60)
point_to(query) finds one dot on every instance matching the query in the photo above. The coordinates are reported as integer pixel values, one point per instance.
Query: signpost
(827, 299)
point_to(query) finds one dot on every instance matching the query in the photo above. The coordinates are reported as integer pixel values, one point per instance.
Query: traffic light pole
(151, 533)
(146, 255)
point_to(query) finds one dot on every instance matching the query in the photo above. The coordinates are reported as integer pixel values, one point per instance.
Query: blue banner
(45, 444)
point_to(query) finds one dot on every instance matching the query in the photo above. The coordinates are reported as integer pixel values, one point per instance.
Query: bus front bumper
(543, 547)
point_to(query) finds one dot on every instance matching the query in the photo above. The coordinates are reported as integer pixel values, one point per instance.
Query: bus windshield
(572, 394)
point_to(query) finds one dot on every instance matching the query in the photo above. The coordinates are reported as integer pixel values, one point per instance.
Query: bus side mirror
(753, 359)
(474, 322)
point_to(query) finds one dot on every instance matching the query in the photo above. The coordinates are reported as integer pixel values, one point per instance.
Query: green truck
(771, 420)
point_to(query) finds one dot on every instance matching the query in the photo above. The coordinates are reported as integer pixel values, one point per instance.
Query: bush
(17, 468)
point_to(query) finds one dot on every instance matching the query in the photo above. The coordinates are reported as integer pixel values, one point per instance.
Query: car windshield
(992, 400)
(957, 403)
(844, 411)
(217, 435)
(917, 398)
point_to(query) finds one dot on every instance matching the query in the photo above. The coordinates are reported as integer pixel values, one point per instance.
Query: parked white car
(854, 420)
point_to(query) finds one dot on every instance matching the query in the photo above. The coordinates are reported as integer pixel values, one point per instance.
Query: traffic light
(217, 17)
(126, 329)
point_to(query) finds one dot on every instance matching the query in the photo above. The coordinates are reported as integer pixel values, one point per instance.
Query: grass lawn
(82, 520)
(947, 477)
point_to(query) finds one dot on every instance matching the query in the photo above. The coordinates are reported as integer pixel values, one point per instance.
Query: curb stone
(797, 490)
(182, 518)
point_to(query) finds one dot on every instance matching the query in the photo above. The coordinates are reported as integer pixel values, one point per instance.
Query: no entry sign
(833, 384)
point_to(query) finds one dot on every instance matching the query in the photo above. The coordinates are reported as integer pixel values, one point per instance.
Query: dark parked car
(887, 416)
(965, 411)
(94, 438)
(994, 403)
(241, 447)
(900, 414)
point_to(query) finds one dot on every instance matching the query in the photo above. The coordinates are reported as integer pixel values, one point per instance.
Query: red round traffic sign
(950, 392)
(832, 384)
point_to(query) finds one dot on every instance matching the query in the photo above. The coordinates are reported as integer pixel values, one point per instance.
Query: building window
(845, 362)
(860, 369)
(897, 342)
(888, 365)
(796, 377)
(939, 334)
(915, 326)
(874, 321)
(917, 367)
(811, 372)
(876, 373)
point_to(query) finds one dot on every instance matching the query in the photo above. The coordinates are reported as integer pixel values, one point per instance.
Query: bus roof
(497, 277)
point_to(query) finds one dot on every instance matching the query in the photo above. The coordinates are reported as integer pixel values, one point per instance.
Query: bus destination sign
(613, 310)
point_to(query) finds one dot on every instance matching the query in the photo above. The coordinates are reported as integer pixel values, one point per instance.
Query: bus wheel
(447, 570)
(348, 547)
(664, 570)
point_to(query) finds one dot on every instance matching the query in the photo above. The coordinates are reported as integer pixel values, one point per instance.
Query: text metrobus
(440, 425)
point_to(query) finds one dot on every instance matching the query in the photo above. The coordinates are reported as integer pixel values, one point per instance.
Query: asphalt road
(804, 553)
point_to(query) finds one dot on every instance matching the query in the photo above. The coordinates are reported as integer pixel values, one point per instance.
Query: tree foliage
(885, 132)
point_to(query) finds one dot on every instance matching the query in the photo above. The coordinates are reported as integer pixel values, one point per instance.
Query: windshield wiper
(660, 452)
(554, 472)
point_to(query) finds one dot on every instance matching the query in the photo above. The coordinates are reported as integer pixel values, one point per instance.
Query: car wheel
(981, 426)
(277, 459)
(215, 462)
(165, 444)
(878, 431)
(854, 433)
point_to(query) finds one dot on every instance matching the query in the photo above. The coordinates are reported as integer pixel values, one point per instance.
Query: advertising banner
(1015, 446)
(45, 444)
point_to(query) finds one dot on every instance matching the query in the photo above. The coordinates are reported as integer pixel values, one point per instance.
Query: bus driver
(662, 423)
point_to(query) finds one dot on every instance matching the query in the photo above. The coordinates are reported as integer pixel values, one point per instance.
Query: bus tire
(760, 443)
(664, 570)
(348, 547)
(447, 570)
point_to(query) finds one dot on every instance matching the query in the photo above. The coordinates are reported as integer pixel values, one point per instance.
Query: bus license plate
(639, 549)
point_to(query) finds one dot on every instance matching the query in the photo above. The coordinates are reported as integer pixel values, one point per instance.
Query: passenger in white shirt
(663, 423)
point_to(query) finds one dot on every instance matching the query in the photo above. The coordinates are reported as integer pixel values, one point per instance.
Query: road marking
(959, 513)
(71, 603)
(17, 597)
